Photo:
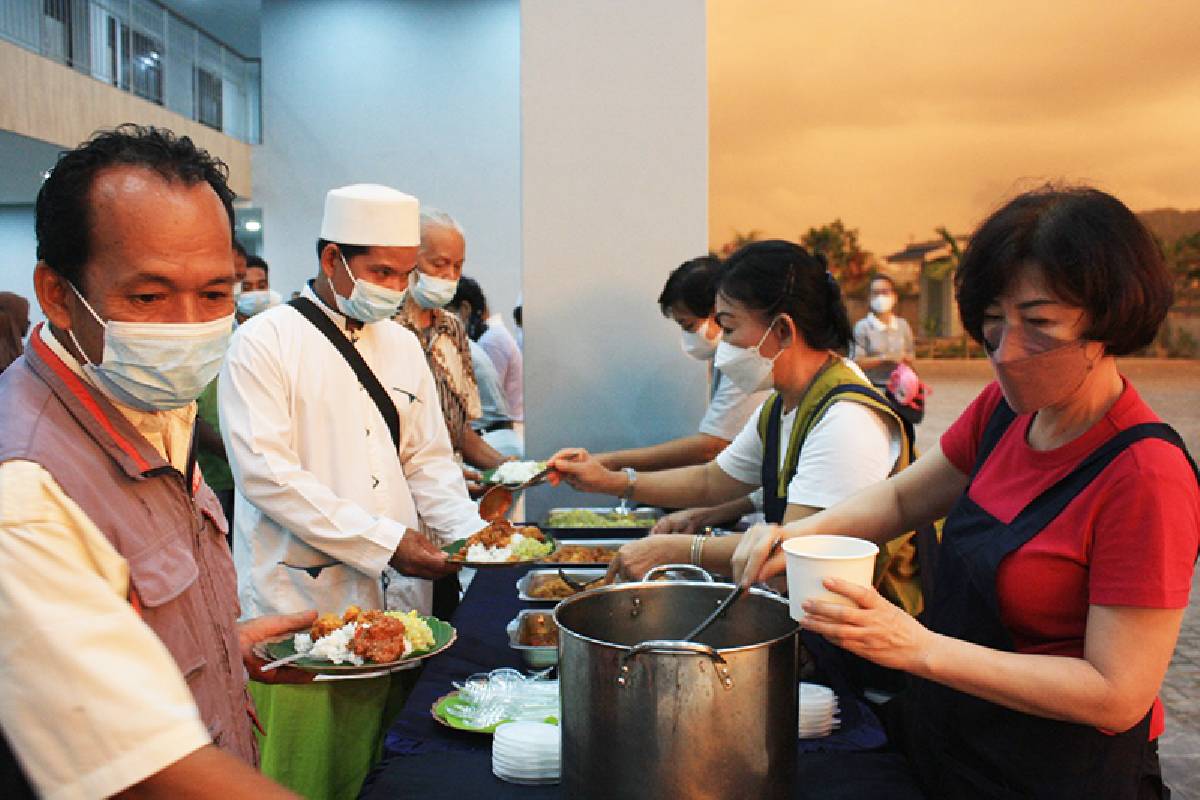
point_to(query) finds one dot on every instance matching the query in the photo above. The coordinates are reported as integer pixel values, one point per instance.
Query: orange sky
(902, 116)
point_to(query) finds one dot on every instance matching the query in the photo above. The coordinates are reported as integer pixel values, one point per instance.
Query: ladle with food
(498, 499)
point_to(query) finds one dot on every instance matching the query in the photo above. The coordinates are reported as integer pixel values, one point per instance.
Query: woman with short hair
(1074, 522)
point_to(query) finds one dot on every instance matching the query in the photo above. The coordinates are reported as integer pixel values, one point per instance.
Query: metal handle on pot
(664, 568)
(679, 648)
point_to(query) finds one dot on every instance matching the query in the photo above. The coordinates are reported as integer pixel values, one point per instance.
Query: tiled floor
(1172, 388)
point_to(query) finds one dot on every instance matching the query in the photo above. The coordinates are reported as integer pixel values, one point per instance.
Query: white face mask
(431, 291)
(883, 303)
(251, 303)
(701, 344)
(157, 366)
(749, 369)
(368, 302)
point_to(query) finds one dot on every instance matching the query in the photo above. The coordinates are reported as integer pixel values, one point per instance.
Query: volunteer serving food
(339, 453)
(1074, 520)
(809, 446)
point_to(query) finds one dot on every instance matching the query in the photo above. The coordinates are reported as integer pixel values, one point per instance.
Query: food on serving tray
(538, 630)
(511, 472)
(587, 518)
(552, 587)
(502, 541)
(359, 637)
(582, 554)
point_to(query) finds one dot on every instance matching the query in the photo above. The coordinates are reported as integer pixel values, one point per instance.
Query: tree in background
(737, 241)
(848, 262)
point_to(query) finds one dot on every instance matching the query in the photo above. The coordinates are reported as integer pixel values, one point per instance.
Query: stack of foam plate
(818, 711)
(528, 753)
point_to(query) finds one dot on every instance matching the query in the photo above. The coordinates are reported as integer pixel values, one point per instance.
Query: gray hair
(434, 218)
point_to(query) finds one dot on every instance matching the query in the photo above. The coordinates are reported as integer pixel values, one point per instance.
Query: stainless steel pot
(646, 715)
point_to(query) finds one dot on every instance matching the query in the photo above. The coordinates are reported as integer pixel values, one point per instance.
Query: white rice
(517, 471)
(478, 552)
(334, 647)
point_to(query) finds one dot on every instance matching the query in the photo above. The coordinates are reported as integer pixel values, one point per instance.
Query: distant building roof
(917, 251)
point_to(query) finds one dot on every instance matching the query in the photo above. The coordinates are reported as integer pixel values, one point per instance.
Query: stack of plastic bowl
(818, 711)
(528, 753)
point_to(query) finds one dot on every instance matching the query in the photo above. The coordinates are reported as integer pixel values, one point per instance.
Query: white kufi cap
(371, 215)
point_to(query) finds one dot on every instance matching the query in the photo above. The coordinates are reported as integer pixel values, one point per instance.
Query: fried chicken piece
(351, 615)
(325, 625)
(378, 638)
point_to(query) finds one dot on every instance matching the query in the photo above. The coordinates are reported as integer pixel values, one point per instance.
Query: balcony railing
(142, 48)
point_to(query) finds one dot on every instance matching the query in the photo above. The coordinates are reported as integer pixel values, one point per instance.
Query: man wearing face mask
(342, 463)
(430, 287)
(129, 670)
(256, 295)
(882, 339)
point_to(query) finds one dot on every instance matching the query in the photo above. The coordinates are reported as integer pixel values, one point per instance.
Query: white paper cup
(812, 559)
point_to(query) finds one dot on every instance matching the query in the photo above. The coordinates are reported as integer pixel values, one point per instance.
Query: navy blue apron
(966, 747)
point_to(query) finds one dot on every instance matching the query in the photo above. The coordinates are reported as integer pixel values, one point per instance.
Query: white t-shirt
(729, 408)
(850, 448)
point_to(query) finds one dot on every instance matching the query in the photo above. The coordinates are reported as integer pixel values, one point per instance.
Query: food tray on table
(546, 586)
(535, 635)
(586, 553)
(603, 521)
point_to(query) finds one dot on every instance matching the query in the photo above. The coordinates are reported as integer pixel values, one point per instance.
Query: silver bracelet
(697, 547)
(630, 473)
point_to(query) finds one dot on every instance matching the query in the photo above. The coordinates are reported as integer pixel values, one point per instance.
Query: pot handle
(675, 647)
(664, 568)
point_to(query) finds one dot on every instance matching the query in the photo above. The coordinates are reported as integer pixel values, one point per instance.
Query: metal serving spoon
(729, 600)
(497, 500)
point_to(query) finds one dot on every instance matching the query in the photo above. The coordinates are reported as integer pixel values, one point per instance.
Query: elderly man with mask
(340, 457)
(123, 670)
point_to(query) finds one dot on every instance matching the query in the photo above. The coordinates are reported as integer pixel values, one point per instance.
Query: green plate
(488, 476)
(443, 636)
(441, 713)
(454, 549)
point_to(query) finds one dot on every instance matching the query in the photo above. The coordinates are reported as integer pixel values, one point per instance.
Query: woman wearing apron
(1073, 527)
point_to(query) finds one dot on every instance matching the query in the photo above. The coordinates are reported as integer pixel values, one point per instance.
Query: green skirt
(323, 738)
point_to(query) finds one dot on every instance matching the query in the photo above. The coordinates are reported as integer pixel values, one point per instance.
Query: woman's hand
(688, 521)
(581, 471)
(635, 559)
(756, 558)
(874, 628)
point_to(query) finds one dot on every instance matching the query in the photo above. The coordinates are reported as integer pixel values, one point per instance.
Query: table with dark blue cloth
(424, 759)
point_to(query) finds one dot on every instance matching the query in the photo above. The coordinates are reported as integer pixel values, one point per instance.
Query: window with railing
(142, 48)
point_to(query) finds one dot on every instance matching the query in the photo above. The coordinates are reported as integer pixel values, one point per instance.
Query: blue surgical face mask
(368, 302)
(431, 291)
(157, 366)
(251, 303)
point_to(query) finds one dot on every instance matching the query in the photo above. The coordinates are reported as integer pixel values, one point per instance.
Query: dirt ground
(1172, 388)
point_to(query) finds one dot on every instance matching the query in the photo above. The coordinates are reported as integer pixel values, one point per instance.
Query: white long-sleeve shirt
(323, 498)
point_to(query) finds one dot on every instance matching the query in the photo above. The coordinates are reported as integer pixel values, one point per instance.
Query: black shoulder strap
(997, 424)
(308, 309)
(906, 427)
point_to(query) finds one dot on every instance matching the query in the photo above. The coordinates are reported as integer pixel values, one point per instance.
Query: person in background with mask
(1074, 522)
(882, 339)
(496, 423)
(783, 320)
(257, 294)
(14, 327)
(430, 287)
(335, 506)
(130, 671)
(688, 299)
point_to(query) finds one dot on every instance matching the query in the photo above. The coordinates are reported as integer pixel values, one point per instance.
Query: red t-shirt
(1129, 539)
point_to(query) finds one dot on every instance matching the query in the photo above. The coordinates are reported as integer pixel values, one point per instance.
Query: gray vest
(173, 536)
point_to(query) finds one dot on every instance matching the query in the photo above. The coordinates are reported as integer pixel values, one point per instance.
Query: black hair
(348, 250)
(259, 262)
(882, 276)
(469, 292)
(1093, 252)
(63, 209)
(518, 313)
(778, 277)
(693, 283)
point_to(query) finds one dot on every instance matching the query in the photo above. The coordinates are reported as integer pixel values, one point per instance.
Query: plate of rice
(363, 641)
(501, 544)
